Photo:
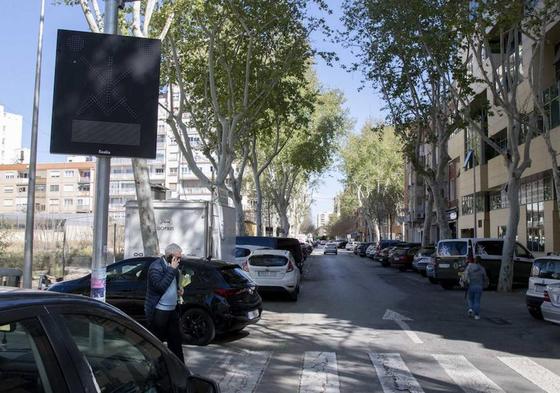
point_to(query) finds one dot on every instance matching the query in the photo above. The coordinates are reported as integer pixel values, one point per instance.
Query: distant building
(323, 219)
(60, 188)
(10, 138)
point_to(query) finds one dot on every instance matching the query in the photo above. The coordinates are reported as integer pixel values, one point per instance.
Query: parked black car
(402, 256)
(276, 243)
(362, 249)
(383, 244)
(220, 298)
(342, 244)
(48, 346)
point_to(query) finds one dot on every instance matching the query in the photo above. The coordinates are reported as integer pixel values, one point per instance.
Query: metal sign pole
(30, 215)
(102, 176)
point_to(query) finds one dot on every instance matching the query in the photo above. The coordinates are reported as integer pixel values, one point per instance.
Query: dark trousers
(166, 327)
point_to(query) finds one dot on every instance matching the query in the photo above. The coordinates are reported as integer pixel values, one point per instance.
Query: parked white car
(274, 270)
(545, 271)
(242, 252)
(350, 246)
(551, 305)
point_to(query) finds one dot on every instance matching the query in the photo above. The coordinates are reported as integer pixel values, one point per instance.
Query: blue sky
(19, 24)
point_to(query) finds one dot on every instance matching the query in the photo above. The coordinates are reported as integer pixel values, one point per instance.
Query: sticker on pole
(106, 91)
(98, 281)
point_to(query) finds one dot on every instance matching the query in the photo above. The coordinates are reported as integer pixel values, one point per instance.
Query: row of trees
(372, 165)
(446, 65)
(239, 75)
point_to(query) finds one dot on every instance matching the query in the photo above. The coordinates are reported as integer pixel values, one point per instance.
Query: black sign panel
(106, 90)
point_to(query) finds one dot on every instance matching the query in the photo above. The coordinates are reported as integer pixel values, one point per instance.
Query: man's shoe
(470, 312)
(477, 317)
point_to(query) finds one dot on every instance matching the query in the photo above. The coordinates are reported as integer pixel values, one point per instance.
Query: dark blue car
(220, 297)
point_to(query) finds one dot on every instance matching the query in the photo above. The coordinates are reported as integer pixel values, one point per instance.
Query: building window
(54, 188)
(172, 171)
(40, 187)
(10, 176)
(160, 171)
(54, 174)
(69, 173)
(535, 227)
(22, 189)
(8, 190)
(82, 202)
(68, 188)
(54, 202)
(84, 187)
(22, 175)
(68, 202)
(8, 202)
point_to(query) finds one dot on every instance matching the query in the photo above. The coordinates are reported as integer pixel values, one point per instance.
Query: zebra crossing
(243, 371)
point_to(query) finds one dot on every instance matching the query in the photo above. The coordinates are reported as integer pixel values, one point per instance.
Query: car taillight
(290, 267)
(245, 266)
(546, 296)
(227, 292)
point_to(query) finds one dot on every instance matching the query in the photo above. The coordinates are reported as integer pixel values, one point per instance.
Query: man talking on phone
(162, 295)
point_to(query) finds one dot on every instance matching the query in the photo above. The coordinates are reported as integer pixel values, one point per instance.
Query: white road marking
(466, 375)
(400, 320)
(540, 376)
(320, 373)
(393, 374)
(243, 371)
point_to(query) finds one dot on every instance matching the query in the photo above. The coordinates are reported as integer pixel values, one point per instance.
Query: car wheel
(197, 327)
(433, 280)
(447, 284)
(535, 313)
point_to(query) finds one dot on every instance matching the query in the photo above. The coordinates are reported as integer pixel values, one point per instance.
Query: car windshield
(546, 268)
(426, 252)
(452, 248)
(489, 247)
(268, 260)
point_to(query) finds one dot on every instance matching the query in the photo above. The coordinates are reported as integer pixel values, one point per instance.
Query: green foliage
(374, 168)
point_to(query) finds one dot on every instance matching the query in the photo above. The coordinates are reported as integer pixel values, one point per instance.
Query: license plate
(267, 274)
(539, 288)
(253, 314)
(444, 265)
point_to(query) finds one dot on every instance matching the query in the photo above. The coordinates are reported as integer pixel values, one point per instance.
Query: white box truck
(187, 224)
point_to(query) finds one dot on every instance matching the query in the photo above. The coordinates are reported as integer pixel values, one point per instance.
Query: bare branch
(136, 30)
(150, 5)
(90, 19)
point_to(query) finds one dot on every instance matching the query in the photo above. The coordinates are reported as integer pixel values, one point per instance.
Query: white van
(545, 271)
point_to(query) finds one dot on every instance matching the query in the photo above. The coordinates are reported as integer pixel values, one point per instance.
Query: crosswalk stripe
(537, 374)
(466, 375)
(320, 373)
(393, 373)
(243, 371)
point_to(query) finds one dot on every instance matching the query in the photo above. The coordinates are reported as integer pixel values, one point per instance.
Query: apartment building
(477, 188)
(10, 138)
(60, 188)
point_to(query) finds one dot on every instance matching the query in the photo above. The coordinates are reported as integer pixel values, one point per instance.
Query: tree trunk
(284, 221)
(259, 204)
(506, 270)
(441, 207)
(145, 207)
(238, 203)
(376, 234)
(427, 227)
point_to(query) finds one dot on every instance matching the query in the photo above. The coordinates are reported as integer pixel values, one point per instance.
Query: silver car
(551, 306)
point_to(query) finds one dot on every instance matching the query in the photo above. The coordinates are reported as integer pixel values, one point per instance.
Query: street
(358, 327)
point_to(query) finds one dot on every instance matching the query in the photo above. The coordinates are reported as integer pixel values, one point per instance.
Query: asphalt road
(358, 327)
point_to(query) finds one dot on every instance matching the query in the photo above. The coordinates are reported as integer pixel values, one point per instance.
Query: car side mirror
(198, 384)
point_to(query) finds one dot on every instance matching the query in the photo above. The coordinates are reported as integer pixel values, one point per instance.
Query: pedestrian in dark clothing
(476, 278)
(162, 295)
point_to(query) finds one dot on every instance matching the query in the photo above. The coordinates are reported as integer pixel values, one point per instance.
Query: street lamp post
(31, 178)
